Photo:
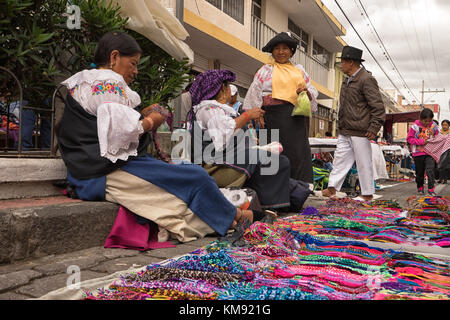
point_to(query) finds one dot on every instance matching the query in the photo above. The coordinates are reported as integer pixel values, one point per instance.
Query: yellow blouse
(286, 79)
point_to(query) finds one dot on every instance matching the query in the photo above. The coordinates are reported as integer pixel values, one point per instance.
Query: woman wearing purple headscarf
(224, 145)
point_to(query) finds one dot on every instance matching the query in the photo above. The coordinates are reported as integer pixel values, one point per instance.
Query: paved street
(34, 278)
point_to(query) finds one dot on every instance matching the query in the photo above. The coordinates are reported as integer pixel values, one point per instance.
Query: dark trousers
(28, 125)
(424, 164)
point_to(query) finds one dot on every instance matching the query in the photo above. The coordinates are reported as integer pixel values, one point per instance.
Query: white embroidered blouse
(105, 94)
(218, 120)
(262, 86)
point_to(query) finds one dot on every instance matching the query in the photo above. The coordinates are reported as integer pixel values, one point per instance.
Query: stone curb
(35, 232)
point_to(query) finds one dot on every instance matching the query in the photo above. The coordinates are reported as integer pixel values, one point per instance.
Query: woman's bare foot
(241, 215)
(367, 198)
(329, 193)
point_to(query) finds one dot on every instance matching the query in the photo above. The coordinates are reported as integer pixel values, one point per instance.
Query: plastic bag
(274, 147)
(303, 107)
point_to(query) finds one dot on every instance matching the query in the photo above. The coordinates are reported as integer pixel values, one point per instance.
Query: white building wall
(207, 11)
(275, 17)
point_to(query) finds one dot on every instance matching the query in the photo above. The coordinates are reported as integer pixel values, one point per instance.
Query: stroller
(321, 177)
(351, 184)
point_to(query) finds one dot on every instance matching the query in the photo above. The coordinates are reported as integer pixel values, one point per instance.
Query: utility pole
(179, 13)
(428, 91)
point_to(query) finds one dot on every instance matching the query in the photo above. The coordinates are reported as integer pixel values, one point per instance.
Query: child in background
(418, 136)
(445, 127)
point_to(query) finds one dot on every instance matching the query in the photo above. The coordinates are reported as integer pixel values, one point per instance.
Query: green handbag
(303, 107)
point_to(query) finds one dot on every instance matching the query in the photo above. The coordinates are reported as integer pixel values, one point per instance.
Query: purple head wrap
(208, 84)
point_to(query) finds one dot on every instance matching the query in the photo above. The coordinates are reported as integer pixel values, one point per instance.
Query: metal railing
(262, 33)
(18, 150)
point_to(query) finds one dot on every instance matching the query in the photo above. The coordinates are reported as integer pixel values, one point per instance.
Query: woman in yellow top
(275, 89)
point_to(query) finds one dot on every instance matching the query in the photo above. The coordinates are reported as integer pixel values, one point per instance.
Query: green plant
(161, 77)
(25, 44)
(39, 48)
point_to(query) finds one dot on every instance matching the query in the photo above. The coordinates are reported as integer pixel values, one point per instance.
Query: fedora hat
(352, 53)
(282, 37)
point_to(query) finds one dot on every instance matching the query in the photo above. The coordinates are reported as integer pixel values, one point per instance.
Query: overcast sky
(416, 34)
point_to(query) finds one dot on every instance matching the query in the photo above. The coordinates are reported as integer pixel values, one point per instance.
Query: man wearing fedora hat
(361, 115)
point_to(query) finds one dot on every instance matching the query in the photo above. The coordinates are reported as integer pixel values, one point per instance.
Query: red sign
(435, 108)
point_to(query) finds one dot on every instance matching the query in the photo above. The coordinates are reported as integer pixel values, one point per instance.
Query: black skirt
(272, 190)
(293, 135)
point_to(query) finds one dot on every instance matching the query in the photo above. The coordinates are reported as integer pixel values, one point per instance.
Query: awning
(402, 117)
(156, 23)
(392, 118)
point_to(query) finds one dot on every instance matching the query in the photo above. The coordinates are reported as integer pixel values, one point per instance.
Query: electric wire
(386, 50)
(368, 49)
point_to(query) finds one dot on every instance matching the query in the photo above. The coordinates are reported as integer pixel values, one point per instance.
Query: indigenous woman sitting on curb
(103, 142)
(235, 160)
(275, 89)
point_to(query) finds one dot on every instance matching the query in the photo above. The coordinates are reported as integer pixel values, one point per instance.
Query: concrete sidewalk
(56, 235)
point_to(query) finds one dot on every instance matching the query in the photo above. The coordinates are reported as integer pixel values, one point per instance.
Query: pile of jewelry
(281, 262)
(425, 223)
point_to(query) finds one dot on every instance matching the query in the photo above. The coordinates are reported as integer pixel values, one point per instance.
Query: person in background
(275, 88)
(234, 103)
(445, 127)
(186, 103)
(361, 115)
(328, 134)
(421, 131)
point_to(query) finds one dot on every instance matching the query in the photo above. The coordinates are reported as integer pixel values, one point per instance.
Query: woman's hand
(261, 122)
(156, 119)
(255, 113)
(301, 88)
(155, 108)
(248, 116)
(156, 115)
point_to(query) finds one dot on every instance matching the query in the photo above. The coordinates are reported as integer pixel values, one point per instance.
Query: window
(233, 8)
(320, 54)
(302, 36)
(323, 112)
(257, 8)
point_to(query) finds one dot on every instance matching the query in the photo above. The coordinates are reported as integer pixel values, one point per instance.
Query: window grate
(301, 35)
(233, 8)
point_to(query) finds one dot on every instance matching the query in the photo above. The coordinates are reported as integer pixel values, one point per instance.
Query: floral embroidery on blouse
(72, 91)
(103, 87)
(211, 107)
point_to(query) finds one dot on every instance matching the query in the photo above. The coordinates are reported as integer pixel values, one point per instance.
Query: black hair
(224, 84)
(115, 40)
(446, 121)
(426, 114)
(188, 87)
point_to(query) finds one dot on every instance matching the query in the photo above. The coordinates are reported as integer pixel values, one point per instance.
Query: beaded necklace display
(283, 262)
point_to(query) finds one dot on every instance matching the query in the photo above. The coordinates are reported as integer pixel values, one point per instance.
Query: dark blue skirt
(189, 182)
